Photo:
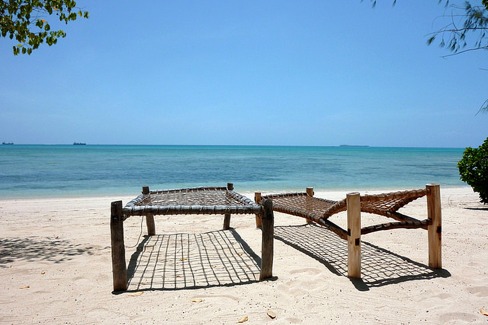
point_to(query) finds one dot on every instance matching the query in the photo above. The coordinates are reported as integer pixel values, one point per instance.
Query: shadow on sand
(380, 267)
(191, 261)
(35, 249)
(222, 258)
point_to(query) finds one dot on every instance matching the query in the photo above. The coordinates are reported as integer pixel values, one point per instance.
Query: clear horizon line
(228, 145)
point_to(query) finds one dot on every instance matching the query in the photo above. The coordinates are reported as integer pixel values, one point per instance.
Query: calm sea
(56, 170)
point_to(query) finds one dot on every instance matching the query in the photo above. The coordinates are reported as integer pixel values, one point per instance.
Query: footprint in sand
(456, 318)
(481, 291)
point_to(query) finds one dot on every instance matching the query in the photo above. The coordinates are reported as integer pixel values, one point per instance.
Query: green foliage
(473, 168)
(25, 21)
(466, 27)
(473, 22)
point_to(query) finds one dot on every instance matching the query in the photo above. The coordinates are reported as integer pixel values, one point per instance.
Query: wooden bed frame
(317, 210)
(204, 200)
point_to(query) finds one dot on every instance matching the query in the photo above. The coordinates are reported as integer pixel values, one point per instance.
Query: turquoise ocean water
(93, 170)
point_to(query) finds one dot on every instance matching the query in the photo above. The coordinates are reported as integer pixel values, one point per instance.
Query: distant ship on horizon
(79, 143)
(7, 143)
(354, 145)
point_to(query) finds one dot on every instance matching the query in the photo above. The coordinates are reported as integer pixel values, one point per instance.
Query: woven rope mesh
(204, 196)
(300, 204)
(208, 200)
(389, 202)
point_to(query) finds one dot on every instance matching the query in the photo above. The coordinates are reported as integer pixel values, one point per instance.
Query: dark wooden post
(257, 199)
(435, 225)
(310, 194)
(119, 268)
(267, 244)
(354, 235)
(151, 226)
(230, 187)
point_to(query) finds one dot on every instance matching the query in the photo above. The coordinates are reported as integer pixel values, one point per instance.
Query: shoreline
(55, 267)
(321, 192)
(84, 172)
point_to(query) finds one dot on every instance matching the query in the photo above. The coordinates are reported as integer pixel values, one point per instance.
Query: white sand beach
(55, 268)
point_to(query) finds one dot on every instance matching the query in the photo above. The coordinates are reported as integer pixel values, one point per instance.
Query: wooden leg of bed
(151, 226)
(226, 221)
(259, 221)
(310, 194)
(119, 268)
(267, 244)
(230, 187)
(435, 227)
(354, 235)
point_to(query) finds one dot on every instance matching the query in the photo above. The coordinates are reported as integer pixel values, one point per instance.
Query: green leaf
(23, 21)
(473, 169)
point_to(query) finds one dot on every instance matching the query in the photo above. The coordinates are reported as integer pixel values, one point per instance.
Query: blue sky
(275, 72)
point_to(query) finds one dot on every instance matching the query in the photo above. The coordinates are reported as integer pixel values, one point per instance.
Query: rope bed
(319, 210)
(201, 200)
(225, 201)
(195, 201)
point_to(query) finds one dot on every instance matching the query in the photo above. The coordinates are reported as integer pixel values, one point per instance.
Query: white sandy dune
(55, 268)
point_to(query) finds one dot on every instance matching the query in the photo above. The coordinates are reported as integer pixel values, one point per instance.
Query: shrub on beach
(473, 168)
